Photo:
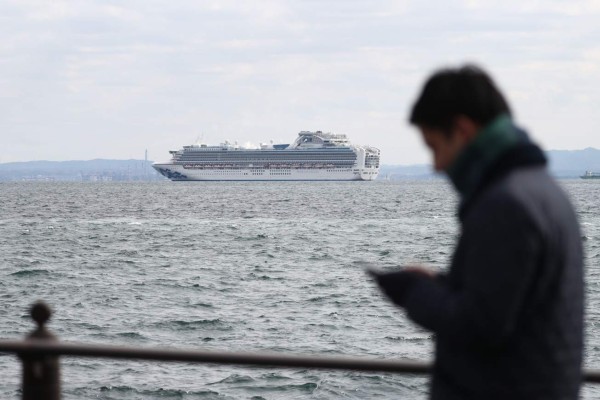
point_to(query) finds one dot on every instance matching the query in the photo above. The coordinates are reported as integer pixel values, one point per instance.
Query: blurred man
(508, 314)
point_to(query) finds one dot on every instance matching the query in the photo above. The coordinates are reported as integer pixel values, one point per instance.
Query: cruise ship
(314, 156)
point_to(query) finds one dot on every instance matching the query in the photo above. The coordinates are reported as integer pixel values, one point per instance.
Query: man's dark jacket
(508, 315)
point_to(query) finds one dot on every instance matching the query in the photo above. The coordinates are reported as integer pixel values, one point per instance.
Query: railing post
(41, 372)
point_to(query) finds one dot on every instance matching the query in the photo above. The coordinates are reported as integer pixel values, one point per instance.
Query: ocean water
(248, 266)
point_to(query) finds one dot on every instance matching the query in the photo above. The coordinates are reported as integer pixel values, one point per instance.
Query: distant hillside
(573, 163)
(562, 164)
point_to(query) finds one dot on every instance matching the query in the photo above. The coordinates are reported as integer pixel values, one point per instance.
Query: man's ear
(465, 128)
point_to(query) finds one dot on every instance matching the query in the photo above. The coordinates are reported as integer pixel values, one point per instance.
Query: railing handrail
(38, 347)
(264, 359)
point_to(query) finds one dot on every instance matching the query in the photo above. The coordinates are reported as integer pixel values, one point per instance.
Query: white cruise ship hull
(177, 172)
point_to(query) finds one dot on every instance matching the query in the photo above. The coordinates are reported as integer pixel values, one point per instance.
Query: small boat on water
(590, 175)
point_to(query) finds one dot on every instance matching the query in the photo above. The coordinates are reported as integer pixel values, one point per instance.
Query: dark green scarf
(494, 143)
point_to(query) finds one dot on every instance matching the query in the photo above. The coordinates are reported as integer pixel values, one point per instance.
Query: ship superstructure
(314, 156)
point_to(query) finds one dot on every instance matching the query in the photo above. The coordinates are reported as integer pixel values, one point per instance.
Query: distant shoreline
(563, 164)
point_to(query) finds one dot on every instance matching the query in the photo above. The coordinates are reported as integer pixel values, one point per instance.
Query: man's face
(444, 147)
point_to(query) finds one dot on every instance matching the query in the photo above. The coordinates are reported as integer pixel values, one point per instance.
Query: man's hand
(396, 285)
(420, 270)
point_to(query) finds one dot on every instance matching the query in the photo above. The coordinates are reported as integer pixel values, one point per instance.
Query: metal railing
(40, 351)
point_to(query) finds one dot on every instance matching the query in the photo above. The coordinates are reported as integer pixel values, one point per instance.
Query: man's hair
(467, 91)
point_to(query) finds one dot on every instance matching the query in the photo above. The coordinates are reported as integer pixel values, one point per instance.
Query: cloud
(100, 79)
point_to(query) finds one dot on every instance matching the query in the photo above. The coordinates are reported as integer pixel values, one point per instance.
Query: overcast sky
(110, 79)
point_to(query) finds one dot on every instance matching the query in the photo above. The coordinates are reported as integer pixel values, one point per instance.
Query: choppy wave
(30, 273)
